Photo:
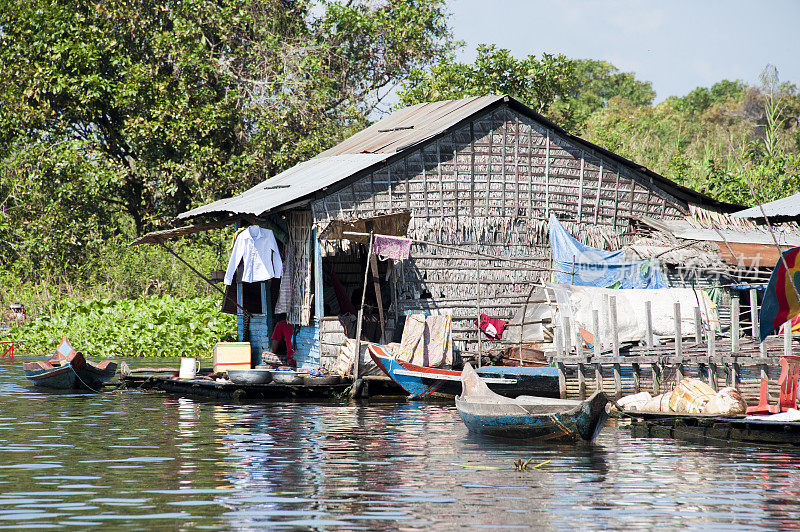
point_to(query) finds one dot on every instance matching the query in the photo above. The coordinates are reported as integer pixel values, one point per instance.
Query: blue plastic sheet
(595, 267)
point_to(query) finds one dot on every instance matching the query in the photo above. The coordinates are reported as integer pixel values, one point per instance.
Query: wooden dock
(657, 370)
(206, 387)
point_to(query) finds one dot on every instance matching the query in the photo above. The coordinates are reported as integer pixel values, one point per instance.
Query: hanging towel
(257, 249)
(391, 247)
(491, 327)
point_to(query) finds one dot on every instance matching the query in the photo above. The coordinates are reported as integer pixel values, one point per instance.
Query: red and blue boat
(422, 382)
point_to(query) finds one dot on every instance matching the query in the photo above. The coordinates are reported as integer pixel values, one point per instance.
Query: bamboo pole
(678, 333)
(698, 325)
(734, 325)
(614, 325)
(478, 304)
(648, 315)
(787, 338)
(357, 354)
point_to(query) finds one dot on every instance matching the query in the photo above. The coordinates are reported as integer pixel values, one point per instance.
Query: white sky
(677, 45)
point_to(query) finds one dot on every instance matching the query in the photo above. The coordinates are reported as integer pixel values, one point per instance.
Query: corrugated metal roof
(685, 230)
(373, 145)
(411, 125)
(398, 131)
(292, 184)
(789, 206)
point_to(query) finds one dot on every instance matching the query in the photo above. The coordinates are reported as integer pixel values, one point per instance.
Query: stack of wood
(518, 355)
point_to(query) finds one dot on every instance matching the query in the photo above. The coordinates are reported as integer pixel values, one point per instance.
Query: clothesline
(456, 248)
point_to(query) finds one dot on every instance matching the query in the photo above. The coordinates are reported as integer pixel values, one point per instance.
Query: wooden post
(656, 380)
(762, 347)
(735, 375)
(581, 382)
(478, 304)
(698, 325)
(678, 373)
(648, 316)
(712, 344)
(376, 287)
(617, 381)
(598, 377)
(712, 375)
(754, 312)
(678, 335)
(787, 338)
(357, 354)
(636, 383)
(735, 325)
(598, 344)
(614, 328)
(557, 347)
(562, 380)
(568, 338)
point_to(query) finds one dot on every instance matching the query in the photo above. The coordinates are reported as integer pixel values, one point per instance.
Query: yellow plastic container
(231, 355)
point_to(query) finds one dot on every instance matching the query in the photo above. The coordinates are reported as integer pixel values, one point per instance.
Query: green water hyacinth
(149, 326)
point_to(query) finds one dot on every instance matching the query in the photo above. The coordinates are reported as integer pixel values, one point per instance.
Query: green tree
(193, 100)
(538, 82)
(567, 90)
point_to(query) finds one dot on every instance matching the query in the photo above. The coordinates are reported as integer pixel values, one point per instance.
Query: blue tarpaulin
(595, 267)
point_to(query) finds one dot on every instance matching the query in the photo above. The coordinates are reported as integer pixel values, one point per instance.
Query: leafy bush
(148, 326)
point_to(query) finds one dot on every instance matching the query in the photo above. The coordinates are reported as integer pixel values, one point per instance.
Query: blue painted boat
(527, 417)
(422, 382)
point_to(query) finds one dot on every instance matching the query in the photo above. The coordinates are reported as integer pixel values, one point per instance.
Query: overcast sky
(677, 45)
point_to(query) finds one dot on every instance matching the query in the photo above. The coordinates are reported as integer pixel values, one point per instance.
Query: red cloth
(284, 331)
(491, 327)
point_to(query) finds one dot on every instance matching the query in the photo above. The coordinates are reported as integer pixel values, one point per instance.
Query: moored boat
(423, 382)
(531, 418)
(68, 369)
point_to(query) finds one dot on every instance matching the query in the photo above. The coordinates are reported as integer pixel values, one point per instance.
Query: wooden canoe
(68, 369)
(527, 417)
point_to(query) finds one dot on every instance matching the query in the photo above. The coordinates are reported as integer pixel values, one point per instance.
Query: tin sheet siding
(489, 186)
(307, 350)
(259, 335)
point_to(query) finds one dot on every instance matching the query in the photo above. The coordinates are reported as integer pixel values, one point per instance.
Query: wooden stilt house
(478, 175)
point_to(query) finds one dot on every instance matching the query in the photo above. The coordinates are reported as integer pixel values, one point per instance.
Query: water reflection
(140, 460)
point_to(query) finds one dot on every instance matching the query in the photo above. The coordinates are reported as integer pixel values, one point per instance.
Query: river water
(142, 460)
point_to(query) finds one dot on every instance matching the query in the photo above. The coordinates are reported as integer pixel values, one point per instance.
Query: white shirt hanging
(257, 249)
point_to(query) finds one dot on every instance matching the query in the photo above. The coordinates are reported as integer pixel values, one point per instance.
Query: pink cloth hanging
(391, 247)
(491, 327)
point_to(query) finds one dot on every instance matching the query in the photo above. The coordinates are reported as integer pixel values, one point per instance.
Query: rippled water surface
(129, 459)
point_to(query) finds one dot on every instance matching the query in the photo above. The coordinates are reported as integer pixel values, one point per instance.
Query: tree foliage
(185, 101)
(118, 115)
(705, 139)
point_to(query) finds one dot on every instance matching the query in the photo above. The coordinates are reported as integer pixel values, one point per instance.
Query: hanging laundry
(491, 327)
(391, 247)
(285, 293)
(427, 340)
(257, 249)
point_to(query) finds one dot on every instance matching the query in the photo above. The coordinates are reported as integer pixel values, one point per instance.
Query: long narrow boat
(423, 382)
(68, 369)
(531, 418)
